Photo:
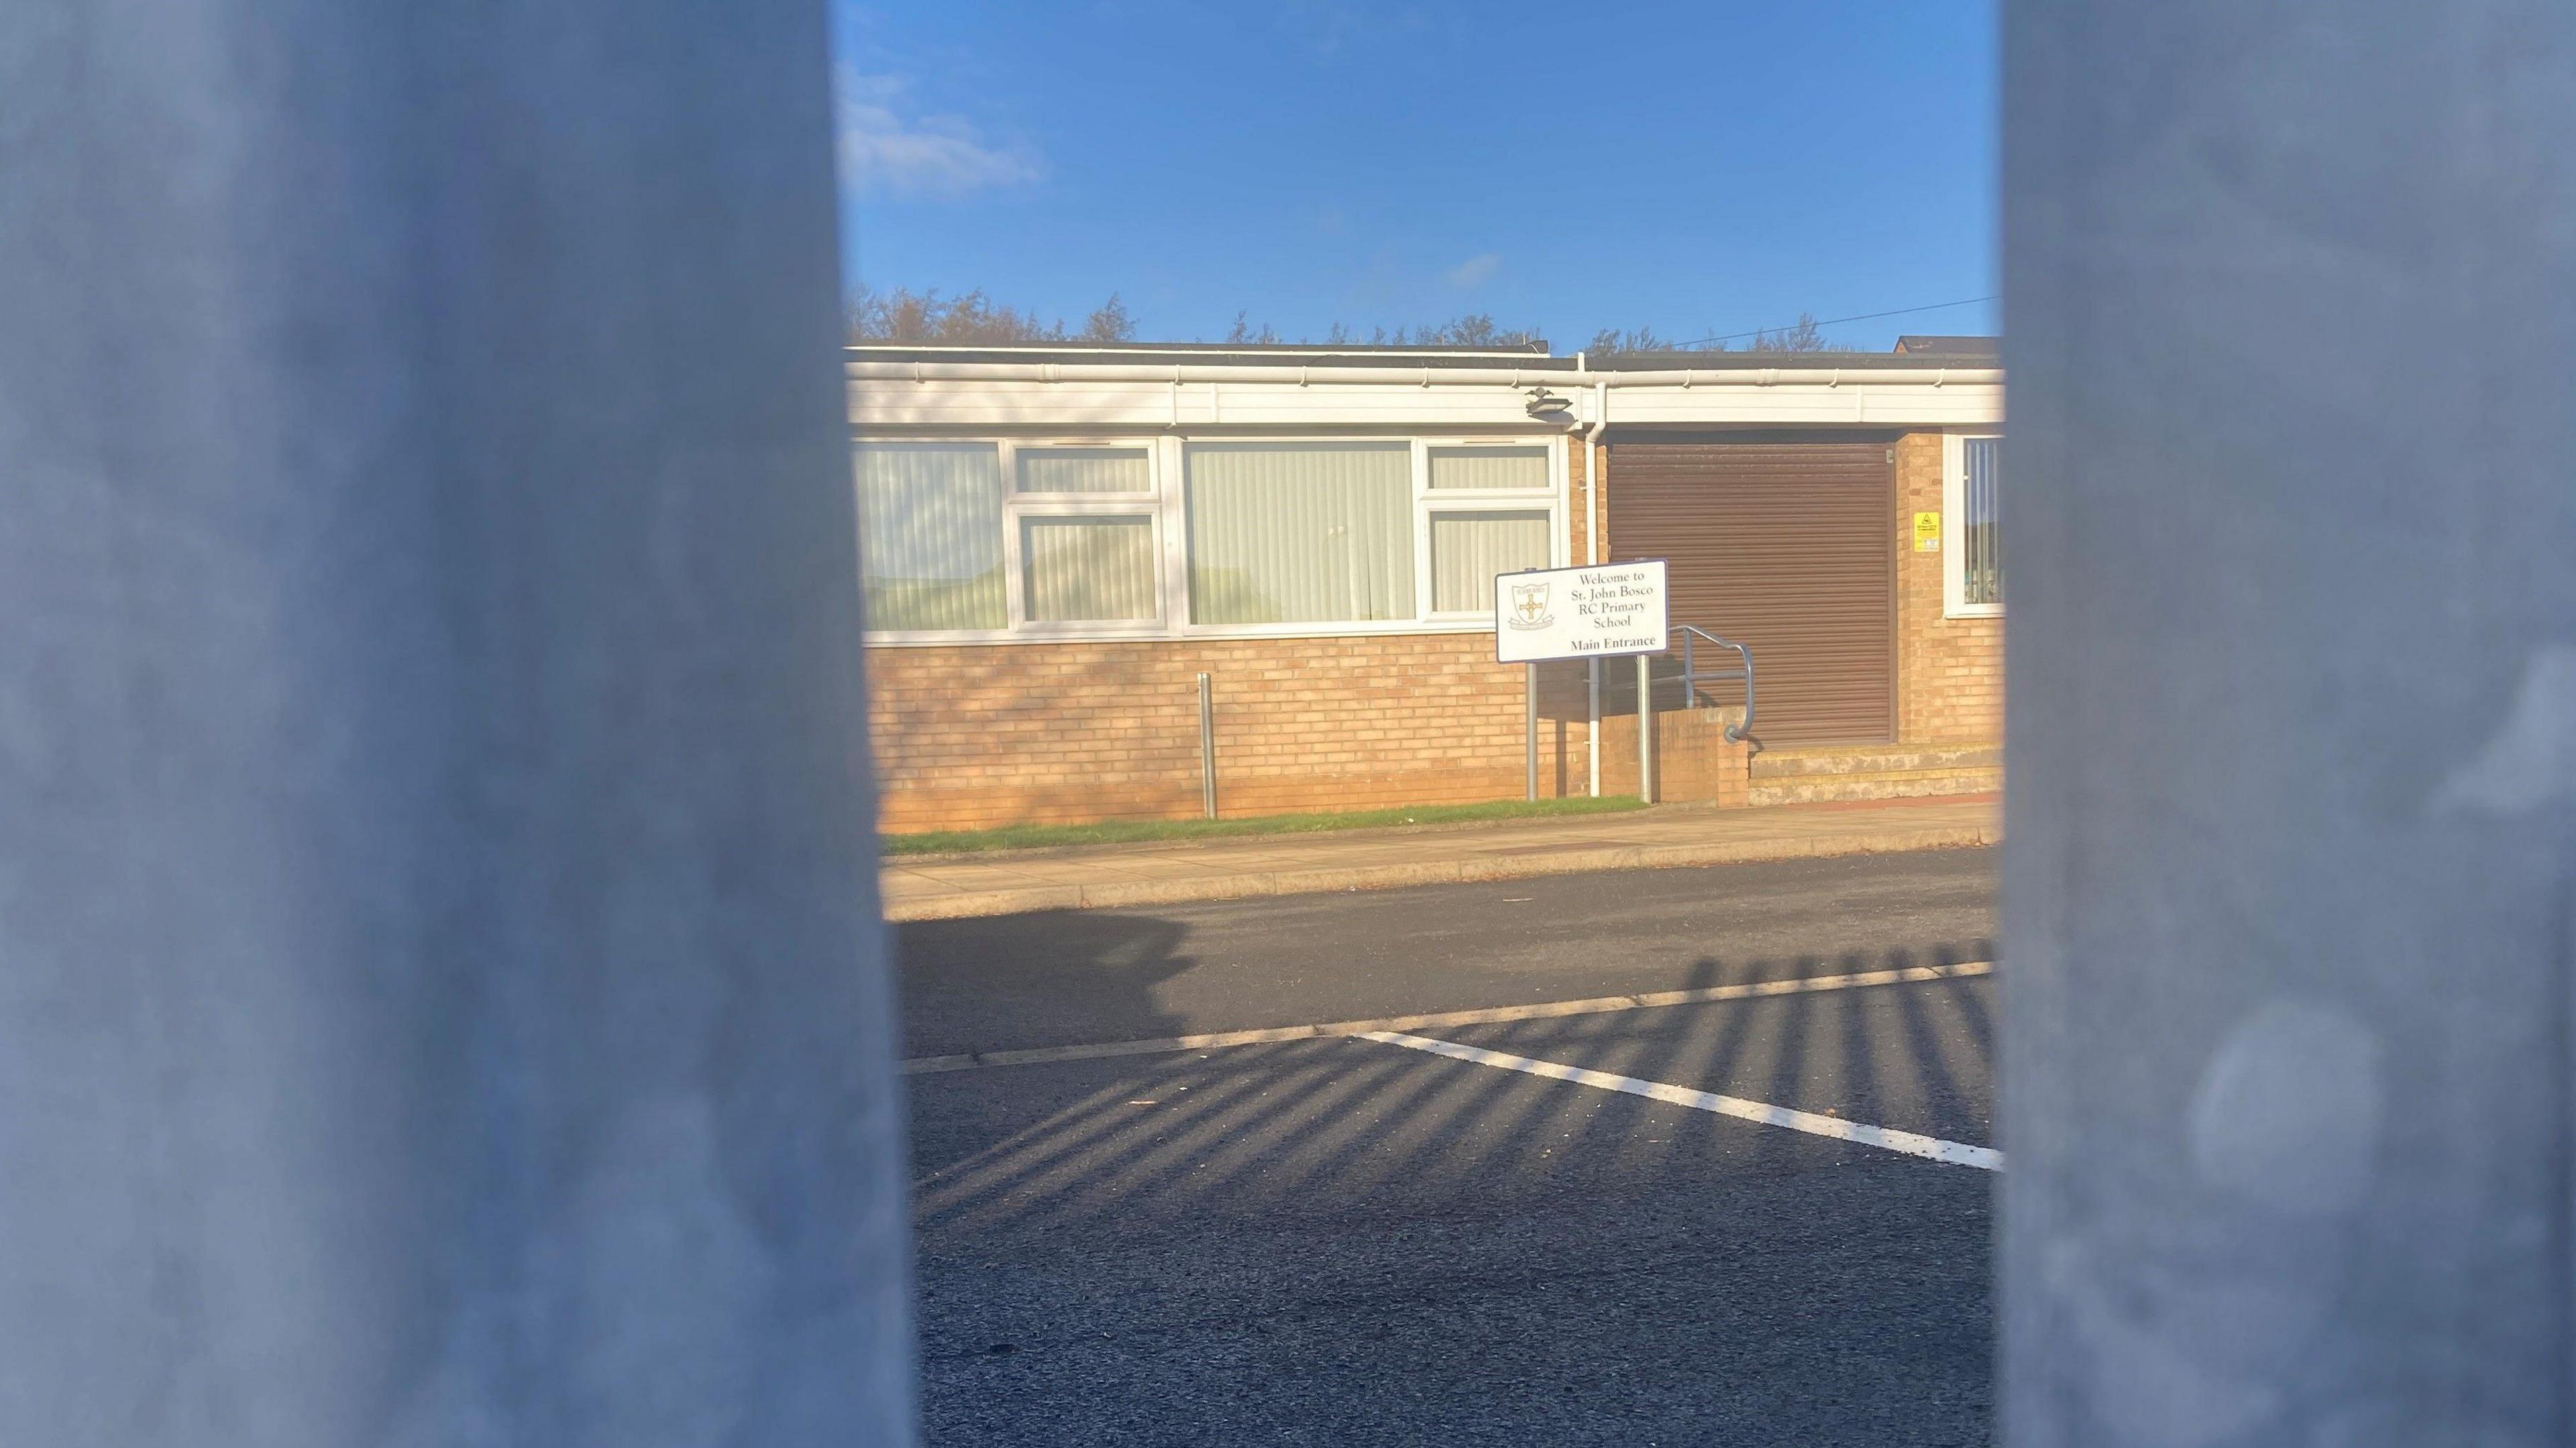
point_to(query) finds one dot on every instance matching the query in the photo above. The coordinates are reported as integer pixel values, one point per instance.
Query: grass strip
(1120, 832)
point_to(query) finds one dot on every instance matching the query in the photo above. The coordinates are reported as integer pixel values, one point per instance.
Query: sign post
(1645, 729)
(1593, 613)
(1529, 708)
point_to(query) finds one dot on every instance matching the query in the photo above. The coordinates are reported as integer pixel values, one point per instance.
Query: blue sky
(1700, 168)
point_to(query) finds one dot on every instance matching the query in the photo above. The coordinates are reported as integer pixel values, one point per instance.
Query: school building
(1059, 542)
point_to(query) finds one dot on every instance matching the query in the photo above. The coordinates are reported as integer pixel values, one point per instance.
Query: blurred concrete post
(1645, 729)
(441, 995)
(2292, 530)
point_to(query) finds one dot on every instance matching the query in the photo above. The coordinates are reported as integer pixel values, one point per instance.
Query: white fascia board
(1081, 406)
(1088, 404)
(1849, 405)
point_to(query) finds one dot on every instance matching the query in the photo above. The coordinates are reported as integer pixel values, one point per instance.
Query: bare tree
(1243, 335)
(904, 315)
(1636, 339)
(1802, 336)
(974, 318)
(1112, 323)
(1475, 329)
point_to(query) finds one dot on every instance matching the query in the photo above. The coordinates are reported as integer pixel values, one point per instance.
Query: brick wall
(1949, 671)
(971, 736)
(1581, 528)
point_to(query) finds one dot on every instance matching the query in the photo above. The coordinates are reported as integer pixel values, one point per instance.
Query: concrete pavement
(1093, 877)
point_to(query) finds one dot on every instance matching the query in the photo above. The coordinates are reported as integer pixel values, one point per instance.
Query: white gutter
(1516, 378)
(1050, 349)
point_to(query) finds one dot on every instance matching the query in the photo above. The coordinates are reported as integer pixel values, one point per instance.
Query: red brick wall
(1949, 671)
(1580, 528)
(976, 735)
(970, 736)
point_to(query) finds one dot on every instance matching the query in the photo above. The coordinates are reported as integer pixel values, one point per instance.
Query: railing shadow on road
(1264, 1128)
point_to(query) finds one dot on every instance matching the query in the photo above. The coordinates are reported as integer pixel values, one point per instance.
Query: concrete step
(1888, 784)
(1791, 762)
(1874, 784)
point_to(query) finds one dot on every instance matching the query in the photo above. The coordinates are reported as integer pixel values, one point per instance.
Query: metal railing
(1691, 675)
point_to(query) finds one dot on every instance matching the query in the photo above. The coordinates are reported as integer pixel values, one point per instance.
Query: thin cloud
(884, 148)
(1475, 271)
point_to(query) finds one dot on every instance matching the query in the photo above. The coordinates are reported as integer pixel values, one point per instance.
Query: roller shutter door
(1788, 546)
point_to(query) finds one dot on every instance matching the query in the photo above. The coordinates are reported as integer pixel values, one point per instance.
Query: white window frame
(1428, 500)
(1017, 507)
(1954, 512)
(1166, 503)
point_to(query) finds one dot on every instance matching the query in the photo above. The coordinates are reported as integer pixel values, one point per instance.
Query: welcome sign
(1580, 613)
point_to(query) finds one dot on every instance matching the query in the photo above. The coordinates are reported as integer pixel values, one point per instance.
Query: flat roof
(1205, 354)
(1951, 346)
(1742, 361)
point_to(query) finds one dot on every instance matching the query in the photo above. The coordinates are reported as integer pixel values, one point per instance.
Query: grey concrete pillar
(441, 1000)
(2291, 295)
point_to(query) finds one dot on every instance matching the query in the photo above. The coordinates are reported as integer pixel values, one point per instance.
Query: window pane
(1489, 467)
(1088, 568)
(1982, 530)
(930, 535)
(1300, 532)
(1468, 549)
(1084, 470)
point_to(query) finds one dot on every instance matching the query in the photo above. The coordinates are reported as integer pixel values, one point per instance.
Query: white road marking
(1931, 1148)
(1597, 1005)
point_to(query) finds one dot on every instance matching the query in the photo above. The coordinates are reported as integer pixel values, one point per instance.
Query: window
(930, 535)
(1489, 467)
(945, 548)
(1084, 569)
(1085, 535)
(1482, 521)
(1973, 554)
(1085, 470)
(1468, 549)
(1289, 532)
(986, 540)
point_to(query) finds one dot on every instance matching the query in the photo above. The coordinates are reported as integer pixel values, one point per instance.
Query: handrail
(1691, 675)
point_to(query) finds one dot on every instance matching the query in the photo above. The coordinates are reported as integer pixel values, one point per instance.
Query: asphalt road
(1349, 1241)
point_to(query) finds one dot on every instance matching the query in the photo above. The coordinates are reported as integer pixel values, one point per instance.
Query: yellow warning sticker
(1927, 532)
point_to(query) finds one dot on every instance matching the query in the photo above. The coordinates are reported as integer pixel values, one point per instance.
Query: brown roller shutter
(1788, 546)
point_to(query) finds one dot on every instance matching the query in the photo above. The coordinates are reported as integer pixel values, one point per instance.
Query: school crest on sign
(1529, 606)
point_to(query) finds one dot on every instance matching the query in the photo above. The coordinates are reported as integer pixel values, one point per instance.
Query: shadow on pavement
(967, 983)
(1265, 1128)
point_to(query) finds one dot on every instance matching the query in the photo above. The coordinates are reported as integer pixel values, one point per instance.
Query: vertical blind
(1981, 532)
(930, 535)
(1276, 532)
(1084, 569)
(1084, 470)
(1489, 467)
(1300, 532)
(1468, 549)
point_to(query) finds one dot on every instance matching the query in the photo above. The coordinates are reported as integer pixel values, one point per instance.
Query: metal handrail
(1691, 675)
